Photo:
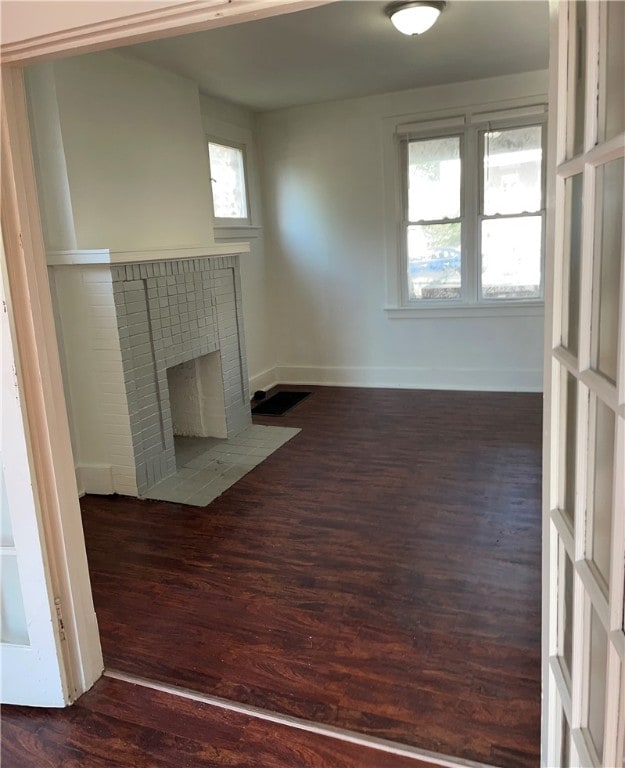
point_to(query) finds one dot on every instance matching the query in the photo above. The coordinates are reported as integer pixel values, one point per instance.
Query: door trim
(179, 18)
(43, 401)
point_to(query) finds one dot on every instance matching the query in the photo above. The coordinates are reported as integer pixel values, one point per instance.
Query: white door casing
(48, 460)
(584, 448)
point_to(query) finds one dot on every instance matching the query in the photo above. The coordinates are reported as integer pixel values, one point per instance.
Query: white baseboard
(264, 380)
(79, 485)
(461, 379)
(104, 479)
(95, 478)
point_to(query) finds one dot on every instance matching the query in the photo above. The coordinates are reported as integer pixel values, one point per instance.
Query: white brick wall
(93, 373)
(121, 328)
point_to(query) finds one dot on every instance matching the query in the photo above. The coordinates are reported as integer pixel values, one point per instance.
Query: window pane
(567, 503)
(612, 105)
(596, 696)
(228, 181)
(512, 171)
(566, 610)
(609, 216)
(602, 496)
(511, 258)
(573, 245)
(434, 261)
(434, 179)
(14, 625)
(565, 744)
(577, 76)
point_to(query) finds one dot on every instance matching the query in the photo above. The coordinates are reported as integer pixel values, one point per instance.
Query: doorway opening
(171, 376)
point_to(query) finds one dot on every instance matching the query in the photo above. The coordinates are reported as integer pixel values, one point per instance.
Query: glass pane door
(584, 718)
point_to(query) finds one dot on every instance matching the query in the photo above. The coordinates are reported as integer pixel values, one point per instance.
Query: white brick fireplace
(150, 348)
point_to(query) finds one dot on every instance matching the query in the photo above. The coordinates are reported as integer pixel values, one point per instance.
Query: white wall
(134, 147)
(55, 202)
(313, 286)
(223, 120)
(325, 221)
(122, 163)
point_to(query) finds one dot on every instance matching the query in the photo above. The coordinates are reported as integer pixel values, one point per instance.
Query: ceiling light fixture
(413, 18)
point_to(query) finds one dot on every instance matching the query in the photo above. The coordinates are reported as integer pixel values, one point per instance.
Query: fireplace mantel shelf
(106, 256)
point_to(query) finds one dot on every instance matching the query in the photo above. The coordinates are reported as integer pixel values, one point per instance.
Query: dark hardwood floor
(117, 724)
(380, 572)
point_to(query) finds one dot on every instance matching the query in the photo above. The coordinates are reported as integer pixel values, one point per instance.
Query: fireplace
(150, 349)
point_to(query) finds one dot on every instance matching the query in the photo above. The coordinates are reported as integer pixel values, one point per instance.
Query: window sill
(229, 231)
(527, 309)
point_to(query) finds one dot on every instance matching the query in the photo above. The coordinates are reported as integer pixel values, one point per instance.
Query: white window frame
(231, 221)
(470, 126)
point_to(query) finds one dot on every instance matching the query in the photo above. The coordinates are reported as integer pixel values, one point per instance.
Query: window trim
(467, 122)
(230, 222)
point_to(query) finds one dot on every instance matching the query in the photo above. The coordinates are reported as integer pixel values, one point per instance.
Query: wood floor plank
(118, 724)
(380, 572)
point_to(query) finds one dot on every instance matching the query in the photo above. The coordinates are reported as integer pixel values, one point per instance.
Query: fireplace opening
(196, 400)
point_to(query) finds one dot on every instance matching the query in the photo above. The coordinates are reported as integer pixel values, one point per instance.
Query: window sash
(230, 221)
(507, 125)
(482, 299)
(410, 141)
(406, 222)
(528, 122)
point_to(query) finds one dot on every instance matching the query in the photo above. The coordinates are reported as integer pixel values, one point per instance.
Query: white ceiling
(349, 48)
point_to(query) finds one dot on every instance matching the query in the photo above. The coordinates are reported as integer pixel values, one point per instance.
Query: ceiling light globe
(415, 18)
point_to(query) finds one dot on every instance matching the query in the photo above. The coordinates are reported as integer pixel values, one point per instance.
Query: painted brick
(139, 333)
(184, 301)
(135, 307)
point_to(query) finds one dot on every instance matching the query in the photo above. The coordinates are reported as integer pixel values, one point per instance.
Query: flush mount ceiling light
(413, 18)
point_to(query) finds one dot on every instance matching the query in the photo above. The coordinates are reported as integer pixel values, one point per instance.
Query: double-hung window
(473, 215)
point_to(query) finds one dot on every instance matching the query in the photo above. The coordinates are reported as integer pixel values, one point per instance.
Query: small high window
(227, 169)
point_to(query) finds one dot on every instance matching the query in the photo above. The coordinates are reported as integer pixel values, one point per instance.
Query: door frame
(31, 316)
(43, 404)
(556, 124)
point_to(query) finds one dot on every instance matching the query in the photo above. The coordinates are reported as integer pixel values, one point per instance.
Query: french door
(30, 652)
(583, 678)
